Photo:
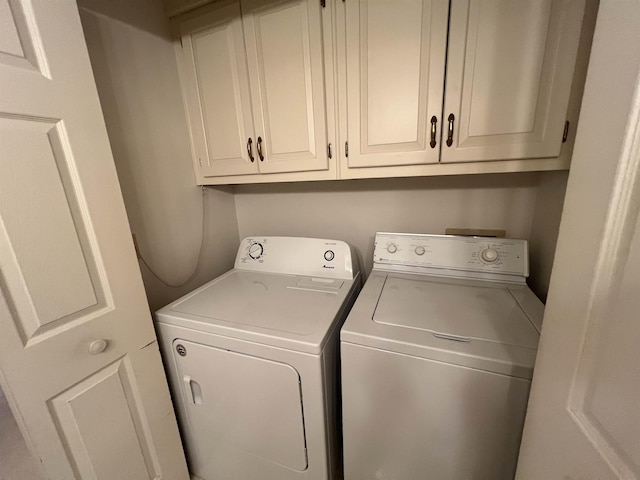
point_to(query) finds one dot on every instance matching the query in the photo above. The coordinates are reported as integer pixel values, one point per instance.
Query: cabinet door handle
(451, 119)
(259, 147)
(249, 149)
(434, 121)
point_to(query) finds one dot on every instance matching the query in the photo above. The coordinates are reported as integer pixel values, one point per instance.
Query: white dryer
(252, 361)
(437, 358)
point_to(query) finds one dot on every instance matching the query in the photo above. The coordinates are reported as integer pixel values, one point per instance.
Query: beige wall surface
(544, 229)
(135, 69)
(355, 210)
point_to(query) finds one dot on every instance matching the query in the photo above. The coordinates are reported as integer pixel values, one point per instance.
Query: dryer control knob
(392, 248)
(255, 250)
(420, 250)
(489, 255)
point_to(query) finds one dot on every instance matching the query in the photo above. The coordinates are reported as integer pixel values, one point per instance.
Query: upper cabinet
(433, 81)
(289, 90)
(286, 72)
(395, 63)
(253, 78)
(215, 84)
(510, 66)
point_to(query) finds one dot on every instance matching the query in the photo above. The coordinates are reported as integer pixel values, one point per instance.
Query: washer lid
(455, 311)
(473, 323)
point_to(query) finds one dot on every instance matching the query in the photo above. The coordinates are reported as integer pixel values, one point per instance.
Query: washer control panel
(475, 254)
(313, 257)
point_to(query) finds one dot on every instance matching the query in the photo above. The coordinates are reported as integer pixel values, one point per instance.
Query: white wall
(354, 210)
(544, 229)
(135, 69)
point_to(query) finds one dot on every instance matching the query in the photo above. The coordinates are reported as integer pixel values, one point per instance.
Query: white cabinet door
(215, 84)
(395, 80)
(78, 353)
(285, 53)
(509, 73)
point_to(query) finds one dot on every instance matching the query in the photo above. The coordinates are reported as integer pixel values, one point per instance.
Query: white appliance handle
(195, 392)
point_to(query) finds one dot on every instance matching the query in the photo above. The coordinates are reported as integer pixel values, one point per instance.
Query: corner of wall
(545, 226)
(135, 69)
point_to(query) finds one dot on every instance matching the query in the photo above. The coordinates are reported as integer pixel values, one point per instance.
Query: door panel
(17, 44)
(509, 73)
(60, 283)
(582, 420)
(215, 82)
(522, 37)
(118, 429)
(607, 403)
(285, 51)
(68, 271)
(239, 407)
(395, 79)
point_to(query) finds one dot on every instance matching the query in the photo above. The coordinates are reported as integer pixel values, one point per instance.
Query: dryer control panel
(312, 257)
(450, 252)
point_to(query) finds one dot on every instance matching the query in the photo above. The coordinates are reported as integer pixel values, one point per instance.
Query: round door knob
(420, 250)
(489, 255)
(392, 248)
(97, 346)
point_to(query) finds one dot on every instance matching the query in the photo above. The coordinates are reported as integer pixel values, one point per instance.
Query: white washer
(252, 360)
(437, 357)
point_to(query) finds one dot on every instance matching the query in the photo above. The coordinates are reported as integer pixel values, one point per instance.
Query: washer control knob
(392, 248)
(255, 250)
(489, 255)
(420, 250)
(329, 255)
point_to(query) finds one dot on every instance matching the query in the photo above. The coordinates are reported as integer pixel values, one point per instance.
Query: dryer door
(239, 407)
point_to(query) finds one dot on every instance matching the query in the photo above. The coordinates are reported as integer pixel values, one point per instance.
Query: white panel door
(583, 421)
(78, 353)
(509, 72)
(285, 52)
(215, 84)
(395, 79)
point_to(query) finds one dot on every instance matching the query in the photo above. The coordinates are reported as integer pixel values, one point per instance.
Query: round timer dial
(392, 248)
(255, 250)
(489, 255)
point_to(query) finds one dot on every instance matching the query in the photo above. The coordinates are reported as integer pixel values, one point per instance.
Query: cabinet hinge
(323, 3)
(565, 133)
(346, 149)
(200, 160)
